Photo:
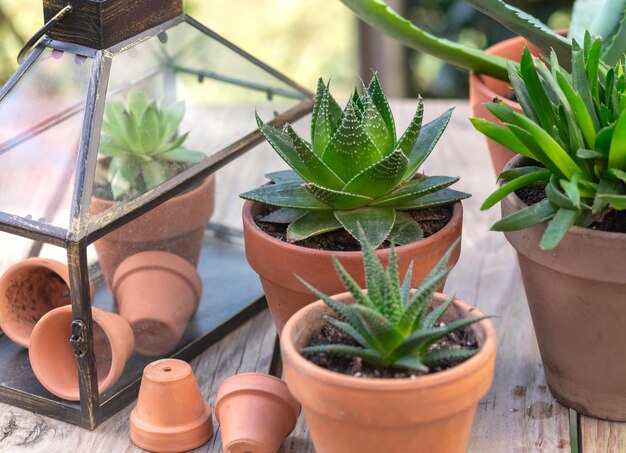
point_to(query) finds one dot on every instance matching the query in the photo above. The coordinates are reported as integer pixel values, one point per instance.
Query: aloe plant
(574, 127)
(392, 327)
(140, 138)
(355, 171)
(603, 18)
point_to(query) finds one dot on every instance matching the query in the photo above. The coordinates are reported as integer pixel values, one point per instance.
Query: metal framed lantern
(110, 133)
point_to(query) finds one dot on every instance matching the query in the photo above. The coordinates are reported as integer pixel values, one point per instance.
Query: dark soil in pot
(354, 366)
(430, 219)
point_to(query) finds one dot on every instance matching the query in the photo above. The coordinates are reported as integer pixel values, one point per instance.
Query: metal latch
(78, 337)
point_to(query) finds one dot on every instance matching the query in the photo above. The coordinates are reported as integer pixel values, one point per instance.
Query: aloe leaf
(393, 292)
(131, 133)
(333, 113)
(351, 285)
(514, 173)
(407, 141)
(583, 118)
(338, 199)
(171, 145)
(581, 84)
(439, 198)
(414, 189)
(406, 284)
(525, 25)
(446, 356)
(183, 155)
(501, 135)
(591, 66)
(324, 125)
(617, 150)
(432, 317)
(405, 230)
(571, 190)
(521, 92)
(583, 13)
(604, 140)
(381, 177)
(376, 223)
(451, 327)
(606, 20)
(426, 141)
(349, 330)
(150, 131)
(526, 217)
(558, 227)
(350, 150)
(110, 147)
(617, 174)
(374, 270)
(375, 91)
(368, 355)
(137, 104)
(170, 119)
(381, 328)
(539, 175)
(590, 154)
(283, 215)
(287, 195)
(411, 363)
(153, 174)
(282, 176)
(557, 197)
(379, 15)
(319, 171)
(540, 101)
(617, 202)
(502, 111)
(375, 127)
(122, 176)
(614, 50)
(414, 342)
(607, 188)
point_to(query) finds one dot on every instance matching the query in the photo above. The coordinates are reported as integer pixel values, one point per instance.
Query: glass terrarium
(111, 132)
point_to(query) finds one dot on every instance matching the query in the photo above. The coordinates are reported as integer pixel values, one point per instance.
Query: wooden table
(518, 414)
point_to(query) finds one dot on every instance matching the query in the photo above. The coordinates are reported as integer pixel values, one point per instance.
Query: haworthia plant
(574, 127)
(140, 138)
(355, 170)
(392, 327)
(605, 19)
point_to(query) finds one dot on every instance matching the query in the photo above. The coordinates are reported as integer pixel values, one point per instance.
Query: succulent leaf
(283, 215)
(380, 178)
(286, 195)
(281, 176)
(440, 198)
(446, 356)
(375, 127)
(375, 91)
(405, 230)
(338, 199)
(413, 189)
(407, 141)
(376, 222)
(311, 224)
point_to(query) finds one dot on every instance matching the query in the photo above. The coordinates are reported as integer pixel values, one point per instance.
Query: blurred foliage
(303, 39)
(456, 20)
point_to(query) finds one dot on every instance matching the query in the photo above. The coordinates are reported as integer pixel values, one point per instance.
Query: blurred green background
(306, 39)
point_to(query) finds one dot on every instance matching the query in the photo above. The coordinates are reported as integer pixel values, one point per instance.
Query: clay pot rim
(250, 224)
(233, 387)
(97, 315)
(159, 430)
(575, 231)
(440, 378)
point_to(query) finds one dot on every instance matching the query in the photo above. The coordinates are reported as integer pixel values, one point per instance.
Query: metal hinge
(78, 337)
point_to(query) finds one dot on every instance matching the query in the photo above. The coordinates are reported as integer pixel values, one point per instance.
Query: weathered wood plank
(600, 436)
(248, 348)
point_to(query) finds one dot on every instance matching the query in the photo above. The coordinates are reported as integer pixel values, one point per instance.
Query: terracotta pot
(577, 294)
(278, 263)
(52, 357)
(176, 226)
(29, 290)
(170, 415)
(485, 89)
(255, 412)
(157, 293)
(431, 413)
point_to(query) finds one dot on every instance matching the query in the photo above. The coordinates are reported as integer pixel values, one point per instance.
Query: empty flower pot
(29, 290)
(157, 293)
(170, 415)
(255, 412)
(52, 356)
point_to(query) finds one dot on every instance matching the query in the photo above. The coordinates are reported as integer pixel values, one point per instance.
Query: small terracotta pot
(171, 415)
(157, 293)
(485, 89)
(29, 290)
(577, 299)
(278, 262)
(52, 357)
(176, 226)
(431, 413)
(255, 412)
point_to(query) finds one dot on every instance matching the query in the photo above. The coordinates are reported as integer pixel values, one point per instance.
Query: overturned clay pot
(171, 415)
(255, 412)
(52, 356)
(29, 290)
(157, 293)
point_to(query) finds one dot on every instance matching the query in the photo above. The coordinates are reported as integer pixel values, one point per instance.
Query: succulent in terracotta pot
(563, 206)
(418, 382)
(142, 148)
(354, 172)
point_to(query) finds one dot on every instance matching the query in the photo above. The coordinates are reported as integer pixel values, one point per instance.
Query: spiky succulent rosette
(355, 171)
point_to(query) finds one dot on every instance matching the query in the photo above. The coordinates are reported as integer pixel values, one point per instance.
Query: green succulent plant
(574, 126)
(355, 171)
(393, 327)
(141, 140)
(603, 18)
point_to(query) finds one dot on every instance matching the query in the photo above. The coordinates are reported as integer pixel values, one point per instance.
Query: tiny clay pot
(52, 356)
(157, 293)
(29, 290)
(171, 415)
(255, 412)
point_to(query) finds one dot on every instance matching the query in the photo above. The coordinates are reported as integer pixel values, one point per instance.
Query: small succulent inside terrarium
(390, 326)
(355, 171)
(140, 139)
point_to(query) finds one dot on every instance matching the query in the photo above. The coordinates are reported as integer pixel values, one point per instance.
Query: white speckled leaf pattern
(380, 178)
(380, 101)
(408, 139)
(312, 223)
(376, 222)
(375, 127)
(337, 199)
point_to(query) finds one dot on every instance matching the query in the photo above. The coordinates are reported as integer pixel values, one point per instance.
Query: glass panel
(40, 127)
(173, 100)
